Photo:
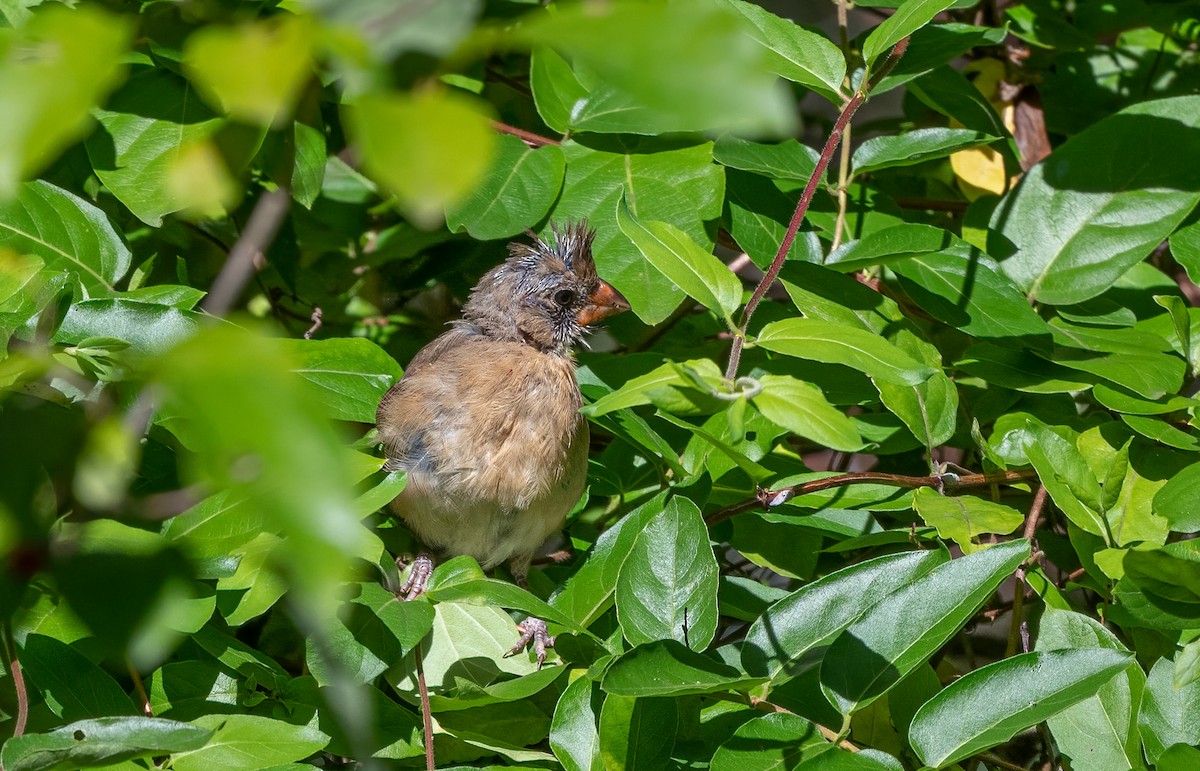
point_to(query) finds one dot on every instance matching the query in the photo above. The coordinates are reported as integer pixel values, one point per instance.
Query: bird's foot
(418, 576)
(533, 632)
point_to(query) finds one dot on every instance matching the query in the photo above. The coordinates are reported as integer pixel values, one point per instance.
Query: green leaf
(658, 386)
(1072, 226)
(888, 245)
(56, 68)
(637, 733)
(249, 741)
(677, 185)
(1177, 500)
(253, 71)
(913, 147)
(515, 193)
(989, 706)
(101, 742)
(669, 668)
(460, 580)
(480, 635)
(694, 270)
(825, 341)
(67, 232)
(1169, 715)
(785, 641)
(349, 375)
(430, 148)
(801, 56)
(1067, 477)
(967, 290)
(935, 45)
(1100, 731)
(574, 733)
(786, 160)
(667, 588)
(963, 518)
(928, 409)
(188, 689)
(769, 743)
(148, 328)
(138, 153)
(588, 593)
(875, 652)
(803, 409)
(910, 16)
(238, 657)
(374, 630)
(74, 687)
(253, 589)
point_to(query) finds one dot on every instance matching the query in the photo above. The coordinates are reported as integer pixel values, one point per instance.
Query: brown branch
(260, 230)
(810, 189)
(1019, 629)
(426, 718)
(767, 499)
(14, 668)
(138, 687)
(317, 316)
(528, 137)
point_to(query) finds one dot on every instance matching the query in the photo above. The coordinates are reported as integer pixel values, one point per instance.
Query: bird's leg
(418, 577)
(533, 630)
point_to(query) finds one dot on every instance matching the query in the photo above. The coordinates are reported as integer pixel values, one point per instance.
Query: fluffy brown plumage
(486, 418)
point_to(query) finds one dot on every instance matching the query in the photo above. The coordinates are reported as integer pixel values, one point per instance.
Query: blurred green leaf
(253, 71)
(55, 69)
(637, 733)
(429, 148)
(698, 63)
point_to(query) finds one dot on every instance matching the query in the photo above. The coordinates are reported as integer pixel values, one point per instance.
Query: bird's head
(544, 294)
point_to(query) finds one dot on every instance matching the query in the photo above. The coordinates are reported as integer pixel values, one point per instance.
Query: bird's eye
(564, 297)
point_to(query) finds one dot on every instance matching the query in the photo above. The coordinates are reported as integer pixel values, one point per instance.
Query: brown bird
(486, 418)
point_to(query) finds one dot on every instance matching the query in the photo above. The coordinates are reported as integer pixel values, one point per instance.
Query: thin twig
(260, 230)
(995, 760)
(1019, 629)
(843, 198)
(14, 668)
(766, 499)
(317, 316)
(426, 717)
(810, 189)
(136, 676)
(528, 137)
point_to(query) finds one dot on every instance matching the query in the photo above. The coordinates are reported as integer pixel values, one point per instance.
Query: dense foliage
(931, 503)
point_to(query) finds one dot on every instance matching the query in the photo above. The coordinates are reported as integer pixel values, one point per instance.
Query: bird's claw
(418, 577)
(533, 631)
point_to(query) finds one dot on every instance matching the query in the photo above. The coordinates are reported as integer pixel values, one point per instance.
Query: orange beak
(602, 303)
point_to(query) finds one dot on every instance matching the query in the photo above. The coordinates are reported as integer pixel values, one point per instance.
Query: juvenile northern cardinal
(486, 419)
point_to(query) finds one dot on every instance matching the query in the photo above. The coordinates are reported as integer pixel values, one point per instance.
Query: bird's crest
(571, 244)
